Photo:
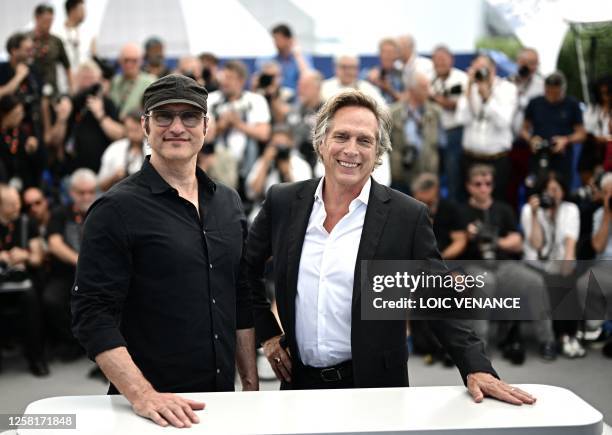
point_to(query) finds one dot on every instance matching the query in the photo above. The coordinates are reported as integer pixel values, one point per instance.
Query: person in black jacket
(317, 233)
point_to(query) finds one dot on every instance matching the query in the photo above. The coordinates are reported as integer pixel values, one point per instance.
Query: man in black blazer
(317, 232)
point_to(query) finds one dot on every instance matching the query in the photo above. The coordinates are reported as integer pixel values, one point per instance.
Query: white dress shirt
(488, 125)
(439, 85)
(325, 283)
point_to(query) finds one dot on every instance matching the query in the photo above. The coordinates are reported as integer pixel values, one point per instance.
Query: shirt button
(216, 336)
(218, 371)
(210, 265)
(76, 288)
(204, 232)
(214, 301)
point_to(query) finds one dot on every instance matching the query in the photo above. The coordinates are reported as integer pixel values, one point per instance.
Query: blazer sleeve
(258, 251)
(456, 336)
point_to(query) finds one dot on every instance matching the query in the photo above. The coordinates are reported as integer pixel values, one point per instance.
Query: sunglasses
(482, 183)
(189, 118)
(33, 203)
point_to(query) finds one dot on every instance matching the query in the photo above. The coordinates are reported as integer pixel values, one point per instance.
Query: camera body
(486, 239)
(546, 201)
(482, 75)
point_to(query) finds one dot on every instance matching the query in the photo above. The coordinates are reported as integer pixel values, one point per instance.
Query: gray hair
(353, 98)
(605, 180)
(82, 174)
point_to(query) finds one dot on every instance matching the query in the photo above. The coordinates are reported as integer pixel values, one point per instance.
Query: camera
(282, 152)
(454, 90)
(481, 75)
(265, 80)
(546, 201)
(486, 239)
(524, 71)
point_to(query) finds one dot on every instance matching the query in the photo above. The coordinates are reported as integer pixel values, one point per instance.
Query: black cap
(175, 88)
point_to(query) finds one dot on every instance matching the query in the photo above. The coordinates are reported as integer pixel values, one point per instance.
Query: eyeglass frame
(176, 113)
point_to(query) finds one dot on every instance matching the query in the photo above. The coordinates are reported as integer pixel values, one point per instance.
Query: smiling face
(349, 148)
(175, 142)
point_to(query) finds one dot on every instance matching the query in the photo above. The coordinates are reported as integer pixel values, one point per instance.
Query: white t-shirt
(439, 85)
(116, 156)
(555, 233)
(300, 169)
(252, 107)
(606, 254)
(488, 126)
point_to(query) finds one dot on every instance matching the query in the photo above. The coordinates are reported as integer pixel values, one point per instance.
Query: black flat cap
(175, 88)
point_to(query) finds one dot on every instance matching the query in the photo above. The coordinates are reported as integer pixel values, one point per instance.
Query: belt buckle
(331, 371)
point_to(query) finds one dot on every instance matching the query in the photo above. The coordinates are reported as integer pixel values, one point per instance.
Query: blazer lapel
(373, 225)
(300, 214)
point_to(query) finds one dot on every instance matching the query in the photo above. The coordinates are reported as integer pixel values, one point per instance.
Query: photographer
(492, 234)
(551, 227)
(19, 77)
(20, 251)
(387, 76)
(21, 158)
(86, 123)
(279, 163)
(446, 88)
(267, 82)
(486, 111)
(553, 122)
(529, 84)
(601, 241)
(242, 118)
(416, 134)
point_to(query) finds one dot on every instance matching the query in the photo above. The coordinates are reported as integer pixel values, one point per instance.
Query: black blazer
(396, 227)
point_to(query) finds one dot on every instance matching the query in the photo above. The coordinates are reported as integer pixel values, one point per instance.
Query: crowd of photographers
(478, 149)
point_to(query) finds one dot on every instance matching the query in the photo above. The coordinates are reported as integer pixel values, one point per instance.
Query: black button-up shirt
(165, 282)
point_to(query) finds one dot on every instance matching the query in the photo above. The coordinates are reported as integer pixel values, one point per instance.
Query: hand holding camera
(559, 144)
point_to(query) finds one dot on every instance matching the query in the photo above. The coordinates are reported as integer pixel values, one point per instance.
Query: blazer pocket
(396, 357)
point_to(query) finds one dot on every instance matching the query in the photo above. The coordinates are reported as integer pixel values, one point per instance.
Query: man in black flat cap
(160, 301)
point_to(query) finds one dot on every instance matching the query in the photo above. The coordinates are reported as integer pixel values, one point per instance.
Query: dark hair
(43, 8)
(134, 115)
(548, 178)
(488, 57)
(151, 42)
(595, 89)
(8, 103)
(282, 29)
(210, 57)
(71, 4)
(238, 67)
(15, 40)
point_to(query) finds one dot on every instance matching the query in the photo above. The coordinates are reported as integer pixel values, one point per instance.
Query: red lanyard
(12, 140)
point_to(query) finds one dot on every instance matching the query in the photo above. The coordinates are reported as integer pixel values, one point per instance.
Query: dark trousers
(451, 163)
(56, 303)
(21, 314)
(309, 378)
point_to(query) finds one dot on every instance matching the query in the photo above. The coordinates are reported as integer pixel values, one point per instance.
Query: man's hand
(278, 358)
(559, 143)
(534, 143)
(534, 203)
(482, 384)
(18, 256)
(22, 71)
(63, 109)
(96, 107)
(31, 144)
(167, 408)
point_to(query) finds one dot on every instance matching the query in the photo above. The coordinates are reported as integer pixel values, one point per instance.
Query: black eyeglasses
(189, 118)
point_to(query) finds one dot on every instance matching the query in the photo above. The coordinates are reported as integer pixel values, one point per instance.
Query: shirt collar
(158, 185)
(363, 196)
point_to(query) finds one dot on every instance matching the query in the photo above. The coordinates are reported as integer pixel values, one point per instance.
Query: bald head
(10, 203)
(130, 59)
(407, 47)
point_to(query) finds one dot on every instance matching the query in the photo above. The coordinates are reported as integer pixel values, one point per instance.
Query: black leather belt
(342, 371)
